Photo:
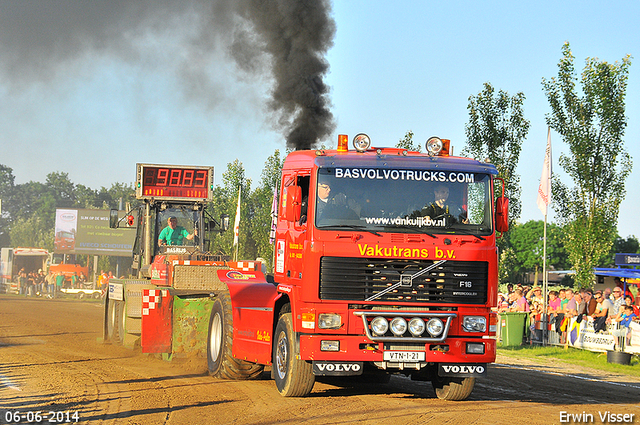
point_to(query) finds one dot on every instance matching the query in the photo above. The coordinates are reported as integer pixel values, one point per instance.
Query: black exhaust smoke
(297, 35)
(281, 41)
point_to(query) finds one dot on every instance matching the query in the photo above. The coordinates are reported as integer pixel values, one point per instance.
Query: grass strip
(572, 356)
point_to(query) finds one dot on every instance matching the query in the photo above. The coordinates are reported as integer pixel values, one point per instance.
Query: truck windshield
(404, 201)
(185, 221)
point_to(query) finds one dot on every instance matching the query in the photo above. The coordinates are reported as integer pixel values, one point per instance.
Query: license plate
(404, 356)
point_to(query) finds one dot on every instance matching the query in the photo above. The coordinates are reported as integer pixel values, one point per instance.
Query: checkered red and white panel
(151, 299)
(246, 266)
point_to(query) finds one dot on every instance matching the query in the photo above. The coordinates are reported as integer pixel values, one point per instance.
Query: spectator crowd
(602, 308)
(51, 284)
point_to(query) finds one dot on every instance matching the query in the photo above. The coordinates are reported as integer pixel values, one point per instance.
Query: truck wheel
(294, 377)
(220, 360)
(115, 322)
(455, 389)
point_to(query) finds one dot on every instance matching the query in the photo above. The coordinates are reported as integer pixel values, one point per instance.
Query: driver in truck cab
(441, 208)
(173, 234)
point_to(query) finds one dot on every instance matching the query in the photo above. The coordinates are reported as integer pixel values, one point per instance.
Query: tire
(619, 357)
(81, 295)
(455, 389)
(115, 322)
(220, 360)
(294, 377)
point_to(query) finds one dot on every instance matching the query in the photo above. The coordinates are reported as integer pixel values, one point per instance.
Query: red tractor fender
(252, 300)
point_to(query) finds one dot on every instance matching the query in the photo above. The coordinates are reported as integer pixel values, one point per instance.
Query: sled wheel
(220, 360)
(294, 377)
(456, 389)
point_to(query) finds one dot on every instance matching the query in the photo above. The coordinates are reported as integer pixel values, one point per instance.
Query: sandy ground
(51, 361)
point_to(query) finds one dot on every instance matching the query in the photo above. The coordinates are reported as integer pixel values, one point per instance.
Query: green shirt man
(173, 234)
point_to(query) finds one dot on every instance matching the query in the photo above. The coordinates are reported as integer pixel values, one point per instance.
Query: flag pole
(545, 283)
(236, 227)
(544, 196)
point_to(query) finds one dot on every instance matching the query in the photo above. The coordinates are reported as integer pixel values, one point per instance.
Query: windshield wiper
(351, 226)
(468, 232)
(417, 229)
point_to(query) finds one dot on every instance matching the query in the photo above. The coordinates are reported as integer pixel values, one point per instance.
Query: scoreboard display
(169, 182)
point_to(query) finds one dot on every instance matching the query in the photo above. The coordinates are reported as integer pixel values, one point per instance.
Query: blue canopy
(621, 273)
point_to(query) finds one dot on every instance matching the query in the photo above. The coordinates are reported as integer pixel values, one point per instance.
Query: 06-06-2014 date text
(36, 417)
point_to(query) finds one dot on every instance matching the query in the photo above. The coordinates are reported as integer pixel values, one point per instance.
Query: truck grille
(358, 279)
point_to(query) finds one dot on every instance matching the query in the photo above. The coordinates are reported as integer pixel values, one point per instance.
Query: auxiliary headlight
(417, 326)
(329, 321)
(361, 142)
(398, 326)
(435, 326)
(474, 323)
(434, 146)
(379, 325)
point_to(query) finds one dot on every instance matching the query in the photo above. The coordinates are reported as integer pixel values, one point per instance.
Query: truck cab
(386, 259)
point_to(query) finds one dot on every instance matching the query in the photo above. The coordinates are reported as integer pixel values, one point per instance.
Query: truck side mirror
(113, 219)
(502, 214)
(293, 204)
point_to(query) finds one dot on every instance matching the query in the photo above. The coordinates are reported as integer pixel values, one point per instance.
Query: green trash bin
(512, 328)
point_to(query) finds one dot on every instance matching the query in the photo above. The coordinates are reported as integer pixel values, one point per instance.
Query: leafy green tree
(62, 189)
(407, 143)
(496, 130)
(225, 201)
(592, 124)
(630, 245)
(7, 185)
(508, 270)
(262, 199)
(32, 232)
(526, 241)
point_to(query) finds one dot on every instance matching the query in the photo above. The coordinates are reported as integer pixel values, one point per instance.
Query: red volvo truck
(374, 274)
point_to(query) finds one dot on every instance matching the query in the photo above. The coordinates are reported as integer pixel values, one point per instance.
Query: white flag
(236, 225)
(544, 190)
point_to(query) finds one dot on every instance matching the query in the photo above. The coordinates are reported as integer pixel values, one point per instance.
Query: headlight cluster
(399, 326)
(474, 323)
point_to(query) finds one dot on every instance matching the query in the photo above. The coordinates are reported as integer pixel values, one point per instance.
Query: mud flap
(463, 370)
(329, 368)
(157, 307)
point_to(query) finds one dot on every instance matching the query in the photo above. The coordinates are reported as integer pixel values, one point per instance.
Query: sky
(92, 88)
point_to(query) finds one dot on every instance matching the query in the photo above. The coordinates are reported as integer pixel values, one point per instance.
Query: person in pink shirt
(521, 303)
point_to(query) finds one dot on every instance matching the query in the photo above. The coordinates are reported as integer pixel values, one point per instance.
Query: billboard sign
(627, 259)
(84, 231)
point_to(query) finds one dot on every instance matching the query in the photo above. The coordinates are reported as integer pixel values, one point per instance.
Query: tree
(408, 143)
(630, 245)
(526, 241)
(592, 125)
(62, 189)
(7, 184)
(32, 232)
(225, 201)
(262, 198)
(496, 130)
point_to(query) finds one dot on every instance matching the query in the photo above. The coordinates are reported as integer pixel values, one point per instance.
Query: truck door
(296, 232)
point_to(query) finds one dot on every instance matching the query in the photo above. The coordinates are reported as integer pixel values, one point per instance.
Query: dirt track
(50, 360)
